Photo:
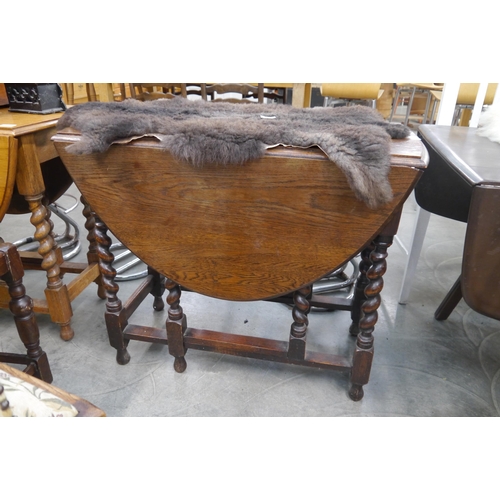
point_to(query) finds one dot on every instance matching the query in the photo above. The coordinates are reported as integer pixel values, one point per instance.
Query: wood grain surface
(235, 232)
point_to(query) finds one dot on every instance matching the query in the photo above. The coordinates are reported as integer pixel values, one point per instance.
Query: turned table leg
(297, 341)
(115, 313)
(92, 255)
(56, 293)
(359, 290)
(363, 353)
(31, 185)
(158, 289)
(176, 326)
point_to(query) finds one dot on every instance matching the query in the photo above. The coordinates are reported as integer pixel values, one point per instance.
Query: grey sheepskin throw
(355, 138)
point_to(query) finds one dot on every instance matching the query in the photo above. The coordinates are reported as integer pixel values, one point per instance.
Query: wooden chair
(207, 91)
(152, 91)
(466, 99)
(479, 283)
(121, 95)
(277, 92)
(351, 93)
(118, 93)
(247, 93)
(21, 306)
(69, 92)
(265, 231)
(198, 89)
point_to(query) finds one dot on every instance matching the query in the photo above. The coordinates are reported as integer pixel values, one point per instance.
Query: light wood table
(30, 174)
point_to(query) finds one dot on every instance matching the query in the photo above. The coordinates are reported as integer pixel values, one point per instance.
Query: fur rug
(356, 138)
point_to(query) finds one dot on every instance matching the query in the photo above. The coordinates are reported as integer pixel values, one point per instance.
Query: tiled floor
(421, 367)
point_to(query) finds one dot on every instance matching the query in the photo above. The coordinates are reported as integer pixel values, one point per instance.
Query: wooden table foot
(180, 364)
(356, 392)
(176, 326)
(66, 332)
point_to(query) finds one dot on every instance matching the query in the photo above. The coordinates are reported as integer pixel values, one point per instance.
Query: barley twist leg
(115, 314)
(56, 292)
(363, 354)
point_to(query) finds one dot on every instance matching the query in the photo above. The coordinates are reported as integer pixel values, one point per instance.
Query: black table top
(473, 156)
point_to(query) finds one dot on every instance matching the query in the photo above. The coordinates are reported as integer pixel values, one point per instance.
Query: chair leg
(410, 104)
(449, 303)
(427, 107)
(21, 306)
(419, 230)
(70, 93)
(395, 103)
(91, 94)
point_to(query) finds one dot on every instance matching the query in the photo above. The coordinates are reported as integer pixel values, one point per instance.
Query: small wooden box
(39, 98)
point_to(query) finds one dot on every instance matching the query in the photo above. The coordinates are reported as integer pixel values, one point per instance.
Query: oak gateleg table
(265, 230)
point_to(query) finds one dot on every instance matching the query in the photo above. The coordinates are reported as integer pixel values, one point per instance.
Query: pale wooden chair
(69, 92)
(351, 93)
(119, 93)
(466, 99)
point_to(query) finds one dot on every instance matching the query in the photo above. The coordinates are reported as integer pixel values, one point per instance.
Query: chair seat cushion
(27, 400)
